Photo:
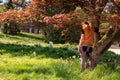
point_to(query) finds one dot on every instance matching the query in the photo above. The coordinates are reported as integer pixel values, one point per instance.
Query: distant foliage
(12, 28)
(113, 19)
(11, 21)
(16, 17)
(66, 27)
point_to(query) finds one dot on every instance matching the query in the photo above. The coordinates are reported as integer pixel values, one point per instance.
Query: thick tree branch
(10, 6)
(104, 44)
(93, 6)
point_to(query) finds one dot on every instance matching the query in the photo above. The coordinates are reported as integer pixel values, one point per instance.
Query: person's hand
(111, 27)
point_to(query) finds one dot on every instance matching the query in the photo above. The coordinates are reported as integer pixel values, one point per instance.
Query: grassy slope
(28, 57)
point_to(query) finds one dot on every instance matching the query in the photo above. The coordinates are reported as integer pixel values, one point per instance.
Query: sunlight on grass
(23, 38)
(23, 66)
(27, 57)
(27, 68)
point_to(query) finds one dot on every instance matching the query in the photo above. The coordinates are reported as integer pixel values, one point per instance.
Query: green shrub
(70, 34)
(111, 59)
(4, 28)
(10, 28)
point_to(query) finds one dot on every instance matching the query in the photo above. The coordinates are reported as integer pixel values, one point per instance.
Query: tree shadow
(36, 50)
(21, 36)
(31, 36)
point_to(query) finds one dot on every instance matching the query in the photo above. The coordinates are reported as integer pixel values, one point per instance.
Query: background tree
(66, 27)
(33, 13)
(17, 4)
(35, 10)
(11, 21)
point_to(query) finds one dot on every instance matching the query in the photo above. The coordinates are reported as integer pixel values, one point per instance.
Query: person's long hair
(87, 23)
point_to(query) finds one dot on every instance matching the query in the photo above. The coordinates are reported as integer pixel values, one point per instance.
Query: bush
(4, 28)
(71, 33)
(111, 59)
(10, 28)
(67, 34)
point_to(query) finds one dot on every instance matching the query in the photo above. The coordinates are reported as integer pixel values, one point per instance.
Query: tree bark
(104, 44)
(10, 6)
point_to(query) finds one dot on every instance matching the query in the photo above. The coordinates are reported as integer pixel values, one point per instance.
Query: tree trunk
(104, 44)
(10, 6)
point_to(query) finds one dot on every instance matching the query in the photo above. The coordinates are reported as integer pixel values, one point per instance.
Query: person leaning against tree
(85, 44)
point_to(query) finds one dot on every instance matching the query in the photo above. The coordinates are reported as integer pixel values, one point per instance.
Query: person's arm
(81, 39)
(105, 30)
(80, 42)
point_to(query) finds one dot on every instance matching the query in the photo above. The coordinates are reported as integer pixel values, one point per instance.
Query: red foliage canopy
(62, 19)
(32, 13)
(13, 16)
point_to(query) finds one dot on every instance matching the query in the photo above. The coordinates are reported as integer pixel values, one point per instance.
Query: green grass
(27, 57)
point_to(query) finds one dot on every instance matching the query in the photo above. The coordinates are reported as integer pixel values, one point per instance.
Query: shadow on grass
(36, 50)
(22, 36)
(31, 36)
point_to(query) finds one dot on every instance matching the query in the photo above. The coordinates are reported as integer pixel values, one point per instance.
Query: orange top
(88, 36)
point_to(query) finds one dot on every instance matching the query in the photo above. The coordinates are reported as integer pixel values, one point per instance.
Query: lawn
(28, 57)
